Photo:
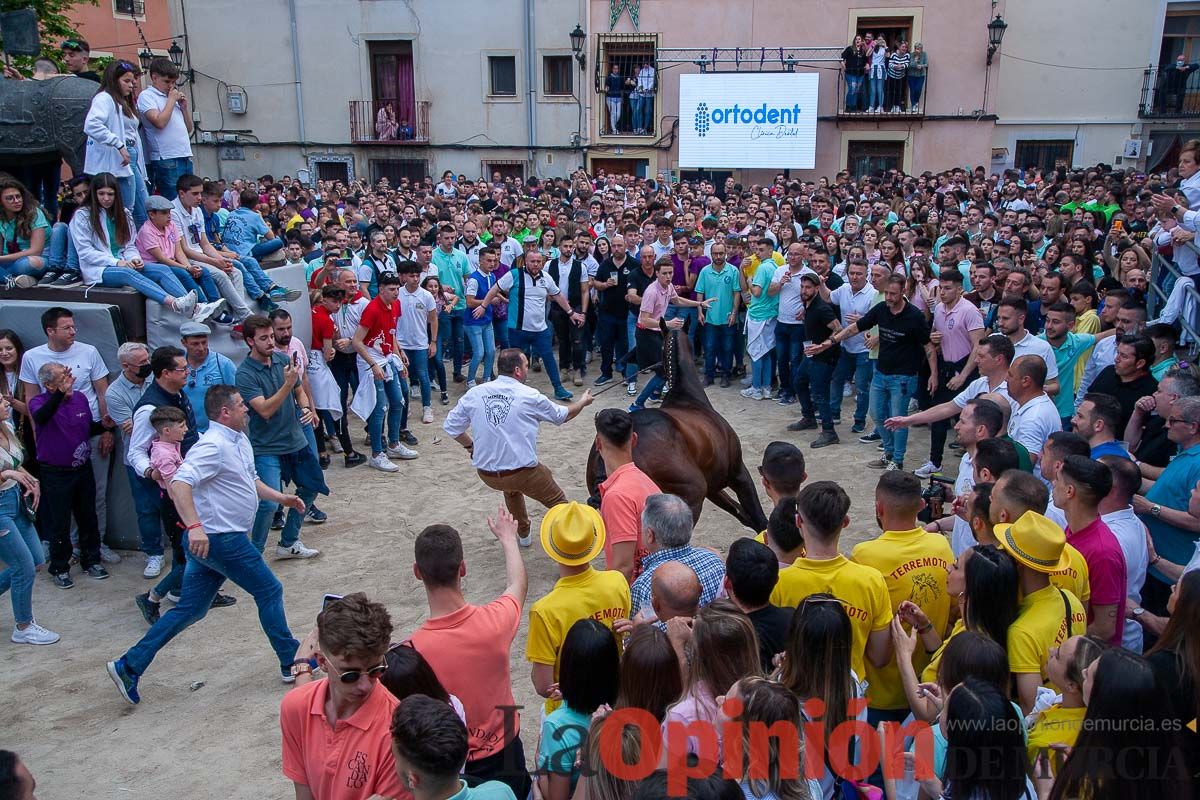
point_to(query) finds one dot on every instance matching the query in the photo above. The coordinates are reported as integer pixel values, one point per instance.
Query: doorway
(638, 167)
(392, 79)
(868, 157)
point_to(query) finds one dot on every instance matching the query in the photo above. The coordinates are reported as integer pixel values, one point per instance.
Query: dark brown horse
(686, 447)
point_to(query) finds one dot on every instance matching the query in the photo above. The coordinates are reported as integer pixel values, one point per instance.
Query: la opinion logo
(706, 118)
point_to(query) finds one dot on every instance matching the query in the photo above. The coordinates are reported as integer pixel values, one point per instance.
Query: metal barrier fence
(1156, 298)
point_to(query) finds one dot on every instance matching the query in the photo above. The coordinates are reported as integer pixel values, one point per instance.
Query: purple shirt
(679, 279)
(62, 441)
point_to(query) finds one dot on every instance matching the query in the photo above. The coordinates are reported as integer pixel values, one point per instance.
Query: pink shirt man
(150, 235)
(656, 299)
(955, 326)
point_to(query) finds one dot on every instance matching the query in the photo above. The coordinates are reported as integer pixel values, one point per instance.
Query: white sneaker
(750, 393)
(337, 447)
(631, 388)
(34, 634)
(927, 469)
(108, 556)
(381, 463)
(186, 305)
(427, 414)
(206, 311)
(848, 390)
(154, 567)
(470, 384)
(297, 550)
(526, 540)
(401, 451)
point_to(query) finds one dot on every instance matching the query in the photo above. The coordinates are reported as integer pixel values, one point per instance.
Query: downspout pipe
(296, 71)
(530, 73)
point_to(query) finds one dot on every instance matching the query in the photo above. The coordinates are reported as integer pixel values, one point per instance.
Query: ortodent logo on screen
(761, 116)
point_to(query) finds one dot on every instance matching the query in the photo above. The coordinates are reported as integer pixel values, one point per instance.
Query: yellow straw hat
(1036, 542)
(572, 533)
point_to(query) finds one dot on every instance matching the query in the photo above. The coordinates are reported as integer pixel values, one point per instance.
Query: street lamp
(176, 53)
(578, 37)
(996, 29)
(144, 58)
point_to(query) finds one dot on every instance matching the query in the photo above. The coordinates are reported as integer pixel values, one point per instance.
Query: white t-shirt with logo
(412, 330)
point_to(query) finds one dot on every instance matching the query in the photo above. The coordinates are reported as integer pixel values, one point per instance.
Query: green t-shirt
(765, 306)
(1066, 356)
(1158, 371)
(562, 736)
(8, 229)
(721, 287)
(452, 267)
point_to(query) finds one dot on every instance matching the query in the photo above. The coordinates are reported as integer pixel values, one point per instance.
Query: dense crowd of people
(1024, 629)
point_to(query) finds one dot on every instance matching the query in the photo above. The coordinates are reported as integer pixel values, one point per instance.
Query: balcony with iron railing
(897, 98)
(1169, 92)
(386, 122)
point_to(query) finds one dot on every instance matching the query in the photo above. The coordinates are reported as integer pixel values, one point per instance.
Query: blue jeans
(853, 91)
(389, 402)
(257, 282)
(541, 343)
(915, 85)
(875, 90)
(147, 500)
(133, 189)
(500, 332)
(270, 472)
(653, 386)
(232, 556)
(266, 248)
(60, 250)
(889, 398)
(812, 388)
(760, 371)
(21, 266)
(643, 111)
(165, 173)
(789, 351)
(21, 551)
(206, 291)
(450, 333)
(483, 350)
(610, 333)
(861, 367)
(418, 367)
(631, 366)
(153, 280)
(718, 349)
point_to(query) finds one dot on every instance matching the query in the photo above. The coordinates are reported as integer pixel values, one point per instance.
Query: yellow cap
(572, 533)
(1035, 541)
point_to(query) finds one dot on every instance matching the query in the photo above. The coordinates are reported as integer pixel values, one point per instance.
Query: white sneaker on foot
(381, 463)
(297, 550)
(186, 305)
(926, 469)
(526, 540)
(206, 311)
(154, 566)
(401, 451)
(34, 634)
(427, 414)
(337, 447)
(108, 556)
(750, 393)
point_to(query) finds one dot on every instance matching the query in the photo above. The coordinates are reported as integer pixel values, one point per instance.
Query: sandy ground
(80, 739)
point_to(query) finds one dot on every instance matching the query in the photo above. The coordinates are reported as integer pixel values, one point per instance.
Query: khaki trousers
(535, 482)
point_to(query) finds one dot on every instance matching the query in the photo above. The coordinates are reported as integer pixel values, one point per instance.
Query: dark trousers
(506, 766)
(894, 90)
(812, 389)
(938, 430)
(610, 331)
(345, 372)
(68, 492)
(789, 354)
(570, 341)
(718, 350)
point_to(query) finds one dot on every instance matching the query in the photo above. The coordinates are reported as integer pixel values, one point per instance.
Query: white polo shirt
(504, 416)
(981, 386)
(171, 141)
(1031, 425)
(961, 537)
(534, 294)
(1033, 346)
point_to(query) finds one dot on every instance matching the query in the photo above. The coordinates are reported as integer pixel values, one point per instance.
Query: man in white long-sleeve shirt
(505, 415)
(216, 492)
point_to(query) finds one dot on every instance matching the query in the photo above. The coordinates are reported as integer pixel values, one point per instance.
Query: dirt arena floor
(208, 724)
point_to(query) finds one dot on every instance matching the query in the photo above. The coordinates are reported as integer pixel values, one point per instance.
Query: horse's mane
(683, 380)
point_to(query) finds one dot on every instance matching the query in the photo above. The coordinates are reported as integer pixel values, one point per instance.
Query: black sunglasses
(353, 675)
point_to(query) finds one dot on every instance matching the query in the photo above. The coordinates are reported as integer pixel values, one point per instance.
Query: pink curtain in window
(394, 84)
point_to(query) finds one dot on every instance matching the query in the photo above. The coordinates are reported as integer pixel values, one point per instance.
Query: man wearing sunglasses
(337, 730)
(75, 55)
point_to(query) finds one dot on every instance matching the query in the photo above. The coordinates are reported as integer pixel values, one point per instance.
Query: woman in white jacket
(113, 142)
(103, 235)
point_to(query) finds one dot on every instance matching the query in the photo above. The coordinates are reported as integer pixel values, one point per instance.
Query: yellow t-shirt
(1041, 624)
(1087, 322)
(914, 565)
(929, 674)
(1055, 725)
(602, 595)
(860, 587)
(1074, 578)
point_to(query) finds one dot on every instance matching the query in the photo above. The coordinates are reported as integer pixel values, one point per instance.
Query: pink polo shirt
(1106, 570)
(656, 299)
(149, 236)
(955, 326)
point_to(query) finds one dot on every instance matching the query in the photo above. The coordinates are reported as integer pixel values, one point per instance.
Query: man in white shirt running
(504, 416)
